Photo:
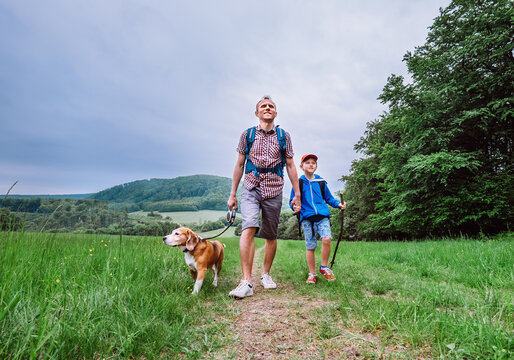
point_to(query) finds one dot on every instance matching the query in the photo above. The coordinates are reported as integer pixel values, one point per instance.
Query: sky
(95, 94)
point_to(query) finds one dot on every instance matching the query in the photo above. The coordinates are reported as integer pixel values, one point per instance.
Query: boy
(314, 216)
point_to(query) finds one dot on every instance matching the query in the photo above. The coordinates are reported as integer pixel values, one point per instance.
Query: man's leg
(270, 218)
(250, 213)
(269, 254)
(250, 209)
(247, 252)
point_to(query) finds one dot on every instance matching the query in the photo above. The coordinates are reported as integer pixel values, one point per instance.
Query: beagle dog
(200, 254)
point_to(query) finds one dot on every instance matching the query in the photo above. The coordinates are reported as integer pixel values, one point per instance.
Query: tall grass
(451, 298)
(97, 296)
(72, 296)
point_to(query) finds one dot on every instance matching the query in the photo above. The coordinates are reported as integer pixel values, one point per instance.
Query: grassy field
(92, 296)
(188, 217)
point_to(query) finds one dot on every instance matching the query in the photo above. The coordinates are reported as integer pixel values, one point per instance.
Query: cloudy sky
(98, 93)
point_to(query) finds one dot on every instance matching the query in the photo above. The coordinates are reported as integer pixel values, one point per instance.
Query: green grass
(96, 296)
(87, 296)
(454, 296)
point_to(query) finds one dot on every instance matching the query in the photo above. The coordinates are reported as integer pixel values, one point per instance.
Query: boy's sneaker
(268, 282)
(242, 290)
(311, 279)
(327, 273)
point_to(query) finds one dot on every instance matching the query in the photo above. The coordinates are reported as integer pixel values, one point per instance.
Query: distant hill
(187, 193)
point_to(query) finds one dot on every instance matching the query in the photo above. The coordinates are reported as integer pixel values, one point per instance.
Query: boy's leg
(311, 261)
(325, 250)
(310, 244)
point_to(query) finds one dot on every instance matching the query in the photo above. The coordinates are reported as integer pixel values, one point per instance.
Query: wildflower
(90, 250)
(115, 258)
(90, 254)
(110, 274)
(57, 281)
(105, 245)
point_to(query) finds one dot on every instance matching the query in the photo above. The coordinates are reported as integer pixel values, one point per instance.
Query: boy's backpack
(322, 188)
(277, 169)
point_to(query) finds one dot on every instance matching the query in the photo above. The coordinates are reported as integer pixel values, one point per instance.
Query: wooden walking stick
(340, 232)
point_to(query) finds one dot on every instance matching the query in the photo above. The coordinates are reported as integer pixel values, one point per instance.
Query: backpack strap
(281, 136)
(250, 138)
(322, 188)
(277, 169)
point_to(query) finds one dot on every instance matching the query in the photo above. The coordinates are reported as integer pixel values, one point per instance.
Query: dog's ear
(192, 240)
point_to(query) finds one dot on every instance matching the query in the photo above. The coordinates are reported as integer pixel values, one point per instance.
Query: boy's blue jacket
(312, 199)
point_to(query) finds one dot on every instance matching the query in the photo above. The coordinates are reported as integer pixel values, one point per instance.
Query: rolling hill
(186, 193)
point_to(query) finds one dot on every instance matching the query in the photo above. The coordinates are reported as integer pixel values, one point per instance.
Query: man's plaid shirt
(265, 153)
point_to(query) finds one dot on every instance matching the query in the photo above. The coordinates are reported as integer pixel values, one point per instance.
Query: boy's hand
(296, 204)
(342, 206)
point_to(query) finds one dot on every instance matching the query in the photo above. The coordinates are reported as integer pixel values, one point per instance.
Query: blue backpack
(277, 169)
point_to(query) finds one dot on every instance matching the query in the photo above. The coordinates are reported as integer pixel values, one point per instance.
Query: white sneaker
(242, 290)
(268, 282)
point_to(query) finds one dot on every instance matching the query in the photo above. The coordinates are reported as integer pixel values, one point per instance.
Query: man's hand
(296, 204)
(342, 206)
(232, 202)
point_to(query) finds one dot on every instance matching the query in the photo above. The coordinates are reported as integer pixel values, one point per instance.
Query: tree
(440, 160)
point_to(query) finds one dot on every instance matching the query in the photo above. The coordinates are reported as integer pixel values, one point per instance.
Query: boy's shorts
(251, 206)
(321, 227)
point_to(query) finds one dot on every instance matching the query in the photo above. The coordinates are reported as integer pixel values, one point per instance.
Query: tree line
(87, 217)
(440, 160)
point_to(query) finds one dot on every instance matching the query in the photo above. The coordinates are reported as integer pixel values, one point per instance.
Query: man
(270, 150)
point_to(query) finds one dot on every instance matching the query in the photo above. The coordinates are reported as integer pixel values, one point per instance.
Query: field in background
(188, 217)
(98, 296)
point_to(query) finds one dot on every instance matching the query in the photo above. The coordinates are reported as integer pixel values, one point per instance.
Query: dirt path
(281, 324)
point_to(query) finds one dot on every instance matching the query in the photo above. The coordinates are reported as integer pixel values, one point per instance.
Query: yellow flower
(115, 258)
(57, 281)
(110, 274)
(90, 250)
(90, 254)
(105, 245)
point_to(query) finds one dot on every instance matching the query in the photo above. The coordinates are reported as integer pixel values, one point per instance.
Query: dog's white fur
(200, 254)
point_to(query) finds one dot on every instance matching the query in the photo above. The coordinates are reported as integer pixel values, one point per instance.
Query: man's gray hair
(265, 97)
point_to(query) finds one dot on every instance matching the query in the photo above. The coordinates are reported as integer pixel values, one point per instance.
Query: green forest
(439, 161)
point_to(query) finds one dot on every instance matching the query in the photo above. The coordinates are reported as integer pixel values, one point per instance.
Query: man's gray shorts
(251, 205)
